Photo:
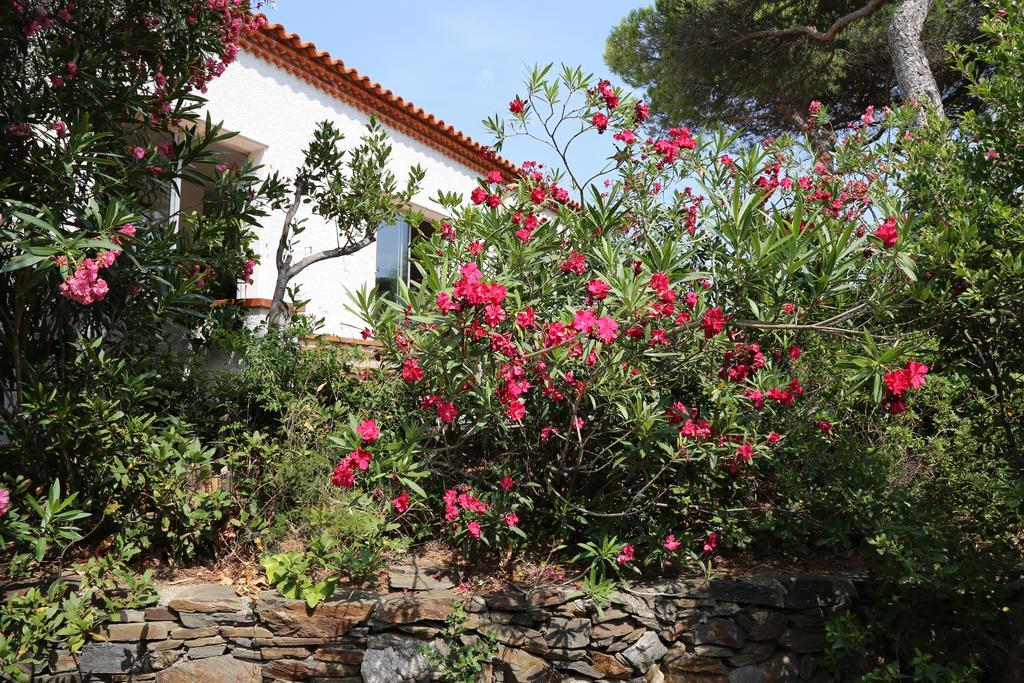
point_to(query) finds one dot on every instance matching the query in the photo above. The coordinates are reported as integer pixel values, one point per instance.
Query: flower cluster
(898, 382)
(358, 460)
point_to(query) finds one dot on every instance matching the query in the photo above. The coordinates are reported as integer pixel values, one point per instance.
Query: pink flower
(515, 410)
(773, 437)
(625, 555)
(598, 288)
(511, 519)
(600, 122)
(411, 370)
(916, 372)
(495, 176)
(247, 270)
(671, 544)
(814, 107)
(538, 195)
(711, 542)
(887, 233)
(584, 320)
(359, 459)
(576, 423)
(139, 152)
(368, 430)
(475, 247)
(473, 529)
(401, 503)
(607, 329)
(478, 195)
(5, 501)
(507, 483)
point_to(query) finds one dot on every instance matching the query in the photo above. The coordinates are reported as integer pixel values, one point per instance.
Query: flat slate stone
(206, 651)
(407, 608)
(645, 652)
(223, 669)
(330, 620)
(206, 598)
(390, 658)
(420, 578)
(110, 658)
(755, 590)
(140, 630)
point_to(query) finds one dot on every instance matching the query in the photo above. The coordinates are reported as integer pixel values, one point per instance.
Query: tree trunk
(280, 312)
(913, 74)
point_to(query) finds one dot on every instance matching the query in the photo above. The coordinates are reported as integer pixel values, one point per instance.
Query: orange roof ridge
(287, 50)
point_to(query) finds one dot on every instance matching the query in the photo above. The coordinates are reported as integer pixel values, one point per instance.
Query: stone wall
(762, 628)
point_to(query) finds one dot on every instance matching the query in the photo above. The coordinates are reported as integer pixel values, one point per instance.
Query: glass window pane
(392, 257)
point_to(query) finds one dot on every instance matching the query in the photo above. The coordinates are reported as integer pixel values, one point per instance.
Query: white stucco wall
(278, 110)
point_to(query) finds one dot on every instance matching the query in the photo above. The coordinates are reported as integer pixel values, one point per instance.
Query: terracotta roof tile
(288, 51)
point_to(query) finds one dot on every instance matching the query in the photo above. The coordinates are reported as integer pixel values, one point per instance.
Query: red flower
(659, 282)
(401, 503)
(368, 430)
(625, 135)
(824, 425)
(625, 555)
(478, 195)
(600, 122)
(538, 195)
(343, 475)
(516, 106)
(575, 263)
(641, 112)
(507, 483)
(887, 233)
(473, 529)
(411, 370)
(446, 411)
(713, 322)
(773, 437)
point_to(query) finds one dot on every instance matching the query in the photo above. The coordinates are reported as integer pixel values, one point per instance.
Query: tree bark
(913, 74)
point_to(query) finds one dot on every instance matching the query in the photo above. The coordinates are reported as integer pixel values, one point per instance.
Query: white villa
(272, 97)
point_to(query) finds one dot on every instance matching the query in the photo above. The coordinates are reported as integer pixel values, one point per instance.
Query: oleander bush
(709, 352)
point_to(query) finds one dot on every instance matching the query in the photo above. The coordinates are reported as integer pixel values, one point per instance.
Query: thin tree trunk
(279, 312)
(913, 74)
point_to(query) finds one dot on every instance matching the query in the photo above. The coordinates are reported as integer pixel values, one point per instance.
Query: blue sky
(462, 61)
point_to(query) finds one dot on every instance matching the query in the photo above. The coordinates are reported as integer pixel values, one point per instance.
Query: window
(392, 257)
